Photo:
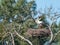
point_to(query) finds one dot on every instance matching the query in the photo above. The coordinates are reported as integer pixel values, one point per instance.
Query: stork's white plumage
(38, 22)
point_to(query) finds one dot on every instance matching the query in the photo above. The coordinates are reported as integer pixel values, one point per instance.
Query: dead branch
(51, 34)
(55, 35)
(23, 38)
(6, 34)
(12, 38)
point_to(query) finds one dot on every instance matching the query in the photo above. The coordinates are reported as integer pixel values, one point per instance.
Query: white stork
(39, 22)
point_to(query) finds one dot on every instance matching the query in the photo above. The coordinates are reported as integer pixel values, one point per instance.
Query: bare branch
(55, 35)
(23, 38)
(12, 38)
(51, 34)
(51, 37)
(6, 34)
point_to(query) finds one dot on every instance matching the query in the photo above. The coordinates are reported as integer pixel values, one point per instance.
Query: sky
(42, 4)
(47, 3)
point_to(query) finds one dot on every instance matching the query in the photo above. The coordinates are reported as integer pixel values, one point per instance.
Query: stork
(39, 22)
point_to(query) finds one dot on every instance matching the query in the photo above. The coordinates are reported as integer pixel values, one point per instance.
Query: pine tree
(13, 14)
